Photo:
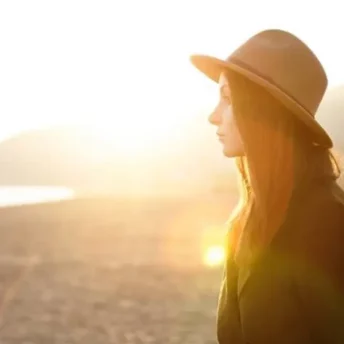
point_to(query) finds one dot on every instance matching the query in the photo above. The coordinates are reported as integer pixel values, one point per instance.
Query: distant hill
(77, 158)
(57, 156)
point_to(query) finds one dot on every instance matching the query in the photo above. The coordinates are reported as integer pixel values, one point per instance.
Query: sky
(123, 66)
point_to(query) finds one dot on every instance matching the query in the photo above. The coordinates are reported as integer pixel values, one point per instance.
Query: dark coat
(294, 292)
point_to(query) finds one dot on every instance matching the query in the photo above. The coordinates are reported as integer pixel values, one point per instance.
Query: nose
(215, 117)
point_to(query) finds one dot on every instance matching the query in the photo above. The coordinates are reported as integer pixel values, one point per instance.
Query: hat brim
(212, 67)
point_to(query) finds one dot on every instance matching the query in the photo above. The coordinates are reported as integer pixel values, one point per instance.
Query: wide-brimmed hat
(285, 66)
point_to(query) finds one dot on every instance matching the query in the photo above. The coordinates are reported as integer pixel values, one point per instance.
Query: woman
(284, 274)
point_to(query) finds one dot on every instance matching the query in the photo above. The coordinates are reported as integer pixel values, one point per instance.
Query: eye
(225, 95)
(226, 98)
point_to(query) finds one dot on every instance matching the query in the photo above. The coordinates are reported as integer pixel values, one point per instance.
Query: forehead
(223, 79)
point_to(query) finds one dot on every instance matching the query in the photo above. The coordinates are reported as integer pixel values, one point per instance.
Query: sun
(214, 256)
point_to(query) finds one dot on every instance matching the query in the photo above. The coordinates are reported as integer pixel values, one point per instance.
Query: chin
(230, 153)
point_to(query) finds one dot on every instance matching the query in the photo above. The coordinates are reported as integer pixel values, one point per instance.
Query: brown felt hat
(285, 67)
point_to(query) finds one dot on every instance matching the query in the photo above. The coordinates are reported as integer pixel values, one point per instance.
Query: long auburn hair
(280, 159)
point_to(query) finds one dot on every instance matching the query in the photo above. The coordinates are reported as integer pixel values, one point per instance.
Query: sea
(21, 195)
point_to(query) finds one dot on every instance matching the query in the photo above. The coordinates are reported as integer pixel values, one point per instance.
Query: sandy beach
(110, 271)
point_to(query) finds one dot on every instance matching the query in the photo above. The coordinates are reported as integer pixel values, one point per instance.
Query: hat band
(249, 68)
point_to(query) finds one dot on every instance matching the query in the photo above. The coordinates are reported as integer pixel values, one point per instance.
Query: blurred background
(113, 188)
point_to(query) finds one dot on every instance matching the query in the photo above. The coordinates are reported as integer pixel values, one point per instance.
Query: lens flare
(214, 256)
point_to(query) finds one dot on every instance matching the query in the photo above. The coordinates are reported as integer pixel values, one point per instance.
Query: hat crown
(285, 61)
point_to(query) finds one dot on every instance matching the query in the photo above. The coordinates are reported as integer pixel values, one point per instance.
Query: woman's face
(223, 119)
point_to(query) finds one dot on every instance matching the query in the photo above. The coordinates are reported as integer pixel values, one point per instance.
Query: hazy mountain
(75, 157)
(56, 156)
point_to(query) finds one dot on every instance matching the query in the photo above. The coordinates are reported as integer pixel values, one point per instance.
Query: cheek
(233, 144)
(229, 121)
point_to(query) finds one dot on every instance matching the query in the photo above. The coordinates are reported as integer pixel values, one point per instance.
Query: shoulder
(316, 216)
(316, 238)
(322, 212)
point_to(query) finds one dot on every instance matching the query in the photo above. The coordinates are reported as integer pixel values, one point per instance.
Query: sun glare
(214, 256)
(126, 140)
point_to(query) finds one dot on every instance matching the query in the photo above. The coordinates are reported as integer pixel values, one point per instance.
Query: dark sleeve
(269, 307)
(320, 278)
(298, 296)
(321, 299)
